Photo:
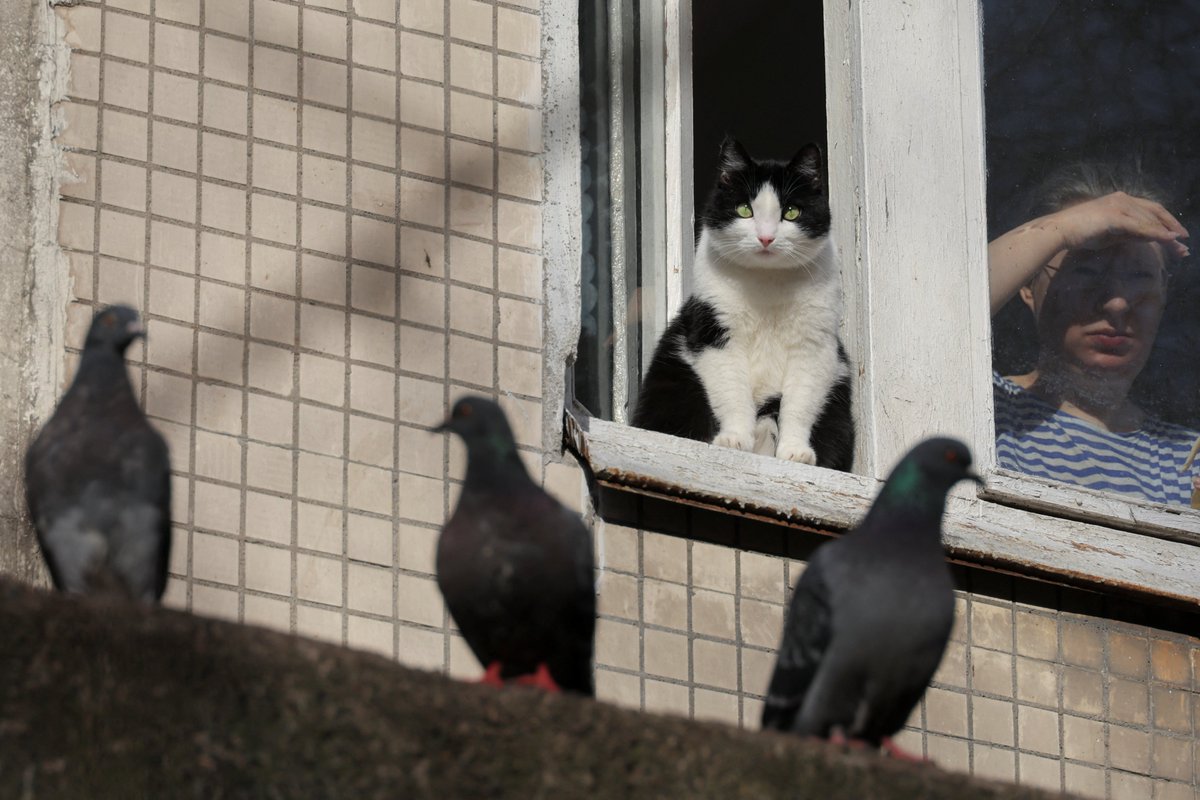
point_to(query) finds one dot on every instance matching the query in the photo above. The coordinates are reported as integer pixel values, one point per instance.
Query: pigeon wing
(806, 637)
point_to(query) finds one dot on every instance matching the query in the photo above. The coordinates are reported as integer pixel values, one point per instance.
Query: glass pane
(1095, 301)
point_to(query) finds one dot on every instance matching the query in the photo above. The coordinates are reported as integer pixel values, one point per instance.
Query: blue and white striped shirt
(1037, 439)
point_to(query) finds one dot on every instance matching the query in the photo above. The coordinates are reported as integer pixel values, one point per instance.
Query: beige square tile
(176, 48)
(268, 569)
(169, 397)
(268, 518)
(1037, 635)
(168, 346)
(374, 45)
(323, 329)
(322, 279)
(322, 379)
(178, 11)
(420, 498)
(84, 78)
(79, 126)
(421, 401)
(369, 589)
(373, 93)
(368, 539)
(273, 269)
(320, 478)
(713, 614)
(422, 57)
(223, 258)
(373, 240)
(267, 612)
(321, 430)
(126, 86)
(519, 80)
(219, 408)
(1172, 758)
(471, 21)
(123, 236)
(1171, 709)
(715, 706)
(519, 128)
(471, 116)
(418, 600)
(372, 635)
(520, 371)
(1128, 654)
(226, 60)
(761, 623)
(1037, 730)
(665, 604)
(526, 419)
(275, 169)
(319, 528)
(369, 488)
(992, 720)
(948, 753)
(208, 601)
(173, 196)
(1128, 701)
(76, 226)
(665, 557)
(324, 82)
(383, 10)
(270, 420)
(275, 71)
(82, 27)
(666, 654)
(992, 626)
(1082, 645)
(172, 246)
(319, 623)
(371, 442)
(1084, 781)
(218, 457)
(271, 368)
(946, 712)
(1129, 749)
(519, 224)
(470, 311)
(325, 34)
(757, 666)
(127, 37)
(120, 283)
(174, 146)
(229, 16)
(422, 202)
(372, 391)
(1129, 786)
(125, 135)
(520, 175)
(275, 119)
(994, 763)
(424, 352)
(374, 141)
(471, 213)
(81, 275)
(323, 229)
(269, 467)
(1083, 691)
(470, 359)
(423, 153)
(173, 296)
(373, 191)
(1037, 682)
(415, 548)
(618, 645)
(991, 672)
(223, 207)
(520, 273)
(518, 32)
(619, 689)
(666, 698)
(713, 567)
(272, 318)
(1169, 662)
(214, 558)
(218, 508)
(617, 547)
(220, 357)
(471, 164)
(424, 15)
(619, 596)
(224, 108)
(421, 105)
(324, 179)
(273, 218)
(175, 97)
(420, 649)
(373, 290)
(1041, 772)
(318, 579)
(324, 130)
(277, 23)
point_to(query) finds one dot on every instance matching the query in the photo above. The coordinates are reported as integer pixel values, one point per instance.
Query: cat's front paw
(736, 440)
(802, 454)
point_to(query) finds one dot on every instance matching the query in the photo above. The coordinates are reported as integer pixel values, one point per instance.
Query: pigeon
(514, 565)
(97, 477)
(871, 614)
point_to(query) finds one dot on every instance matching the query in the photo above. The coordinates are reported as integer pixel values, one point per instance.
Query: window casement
(905, 126)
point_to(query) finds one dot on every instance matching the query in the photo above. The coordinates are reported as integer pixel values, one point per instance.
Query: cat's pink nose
(766, 241)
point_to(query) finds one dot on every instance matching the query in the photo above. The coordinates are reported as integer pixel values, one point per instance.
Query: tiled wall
(330, 215)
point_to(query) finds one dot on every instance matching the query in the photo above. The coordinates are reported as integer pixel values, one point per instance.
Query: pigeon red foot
(900, 754)
(540, 679)
(492, 676)
(838, 737)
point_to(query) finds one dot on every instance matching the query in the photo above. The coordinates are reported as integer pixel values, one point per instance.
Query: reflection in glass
(1094, 297)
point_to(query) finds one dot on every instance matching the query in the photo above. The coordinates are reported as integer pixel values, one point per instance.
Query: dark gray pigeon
(97, 477)
(872, 613)
(514, 565)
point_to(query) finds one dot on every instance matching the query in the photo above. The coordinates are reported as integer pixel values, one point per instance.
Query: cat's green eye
(791, 213)
(744, 211)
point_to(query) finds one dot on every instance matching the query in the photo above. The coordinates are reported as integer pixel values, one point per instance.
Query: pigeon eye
(463, 411)
(951, 456)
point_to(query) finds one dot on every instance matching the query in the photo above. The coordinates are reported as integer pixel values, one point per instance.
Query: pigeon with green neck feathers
(98, 478)
(514, 565)
(872, 612)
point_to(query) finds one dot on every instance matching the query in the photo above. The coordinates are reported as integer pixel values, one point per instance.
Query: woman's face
(1098, 310)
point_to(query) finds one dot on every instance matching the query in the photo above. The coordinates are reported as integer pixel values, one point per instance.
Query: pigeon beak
(442, 427)
(136, 330)
(974, 476)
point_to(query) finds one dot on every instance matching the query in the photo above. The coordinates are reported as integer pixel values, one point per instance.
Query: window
(904, 99)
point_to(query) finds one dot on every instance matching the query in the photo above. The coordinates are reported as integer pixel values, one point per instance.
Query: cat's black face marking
(799, 182)
(701, 327)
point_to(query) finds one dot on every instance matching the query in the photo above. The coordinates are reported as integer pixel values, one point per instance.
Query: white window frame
(907, 177)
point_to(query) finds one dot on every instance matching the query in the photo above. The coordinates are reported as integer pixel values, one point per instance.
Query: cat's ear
(734, 158)
(808, 163)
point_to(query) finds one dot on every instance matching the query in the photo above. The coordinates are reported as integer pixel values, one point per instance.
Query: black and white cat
(753, 360)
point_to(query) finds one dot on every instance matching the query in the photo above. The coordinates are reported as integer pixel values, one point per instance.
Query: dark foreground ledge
(98, 700)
